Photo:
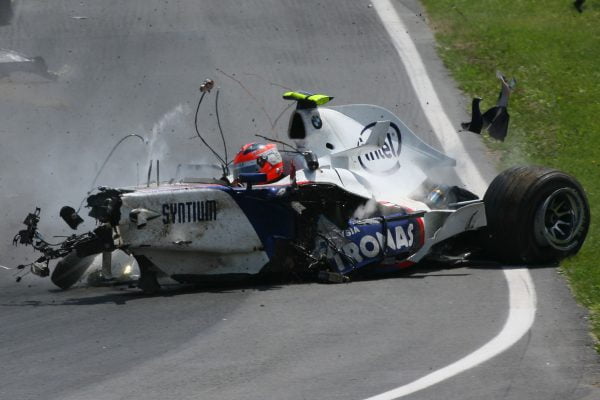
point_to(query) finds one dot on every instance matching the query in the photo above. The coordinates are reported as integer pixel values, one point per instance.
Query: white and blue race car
(359, 197)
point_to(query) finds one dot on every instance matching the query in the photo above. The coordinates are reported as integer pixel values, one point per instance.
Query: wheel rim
(559, 220)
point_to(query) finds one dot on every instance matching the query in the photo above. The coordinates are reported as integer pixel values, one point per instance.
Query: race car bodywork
(359, 195)
(12, 61)
(220, 229)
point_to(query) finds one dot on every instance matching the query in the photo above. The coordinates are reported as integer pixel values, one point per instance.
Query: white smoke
(159, 138)
(365, 210)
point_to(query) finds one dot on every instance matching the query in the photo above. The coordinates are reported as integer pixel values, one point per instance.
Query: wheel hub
(559, 219)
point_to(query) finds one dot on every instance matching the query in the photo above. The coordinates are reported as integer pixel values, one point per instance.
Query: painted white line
(520, 318)
(428, 98)
(522, 298)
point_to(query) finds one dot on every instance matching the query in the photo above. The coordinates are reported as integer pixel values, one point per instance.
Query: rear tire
(535, 215)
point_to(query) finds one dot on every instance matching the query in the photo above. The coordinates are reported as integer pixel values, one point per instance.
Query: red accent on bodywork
(399, 265)
(422, 231)
(405, 264)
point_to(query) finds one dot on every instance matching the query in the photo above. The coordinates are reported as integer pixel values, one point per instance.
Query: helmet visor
(247, 167)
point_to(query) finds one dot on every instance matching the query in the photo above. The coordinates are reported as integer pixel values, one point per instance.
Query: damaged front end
(199, 233)
(75, 251)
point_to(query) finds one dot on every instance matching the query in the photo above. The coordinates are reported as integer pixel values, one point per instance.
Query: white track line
(522, 298)
(428, 98)
(520, 318)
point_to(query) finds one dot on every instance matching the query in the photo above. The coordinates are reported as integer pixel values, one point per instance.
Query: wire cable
(278, 141)
(106, 161)
(220, 128)
(200, 136)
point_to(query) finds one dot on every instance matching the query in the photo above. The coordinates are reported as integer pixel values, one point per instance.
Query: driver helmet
(259, 158)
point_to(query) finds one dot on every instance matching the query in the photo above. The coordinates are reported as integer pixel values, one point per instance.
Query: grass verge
(554, 53)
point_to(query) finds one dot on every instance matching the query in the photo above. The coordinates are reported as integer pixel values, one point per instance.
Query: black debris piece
(476, 123)
(495, 120)
(578, 4)
(70, 216)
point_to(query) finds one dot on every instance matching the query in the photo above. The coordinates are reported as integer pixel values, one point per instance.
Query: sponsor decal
(385, 159)
(191, 211)
(398, 239)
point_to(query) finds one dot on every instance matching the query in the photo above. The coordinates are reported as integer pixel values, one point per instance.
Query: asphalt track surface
(118, 67)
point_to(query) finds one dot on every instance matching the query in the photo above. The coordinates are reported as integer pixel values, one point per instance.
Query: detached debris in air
(12, 61)
(207, 85)
(495, 120)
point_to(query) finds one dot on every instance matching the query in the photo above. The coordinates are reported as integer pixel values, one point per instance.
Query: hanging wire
(278, 141)
(106, 161)
(200, 136)
(220, 128)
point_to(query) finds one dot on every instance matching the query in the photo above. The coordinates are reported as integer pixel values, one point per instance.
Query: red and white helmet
(259, 158)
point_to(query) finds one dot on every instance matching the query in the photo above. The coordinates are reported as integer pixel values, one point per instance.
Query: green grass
(554, 53)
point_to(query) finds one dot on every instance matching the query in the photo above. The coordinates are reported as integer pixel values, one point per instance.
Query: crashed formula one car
(358, 195)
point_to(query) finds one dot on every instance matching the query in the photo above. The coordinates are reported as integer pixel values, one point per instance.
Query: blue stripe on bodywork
(270, 215)
(369, 243)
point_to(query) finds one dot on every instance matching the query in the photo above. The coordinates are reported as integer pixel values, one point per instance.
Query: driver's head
(259, 158)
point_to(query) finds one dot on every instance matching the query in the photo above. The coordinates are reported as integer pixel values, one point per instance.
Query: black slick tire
(535, 215)
(70, 269)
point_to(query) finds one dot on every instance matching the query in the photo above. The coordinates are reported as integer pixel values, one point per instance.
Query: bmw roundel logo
(316, 121)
